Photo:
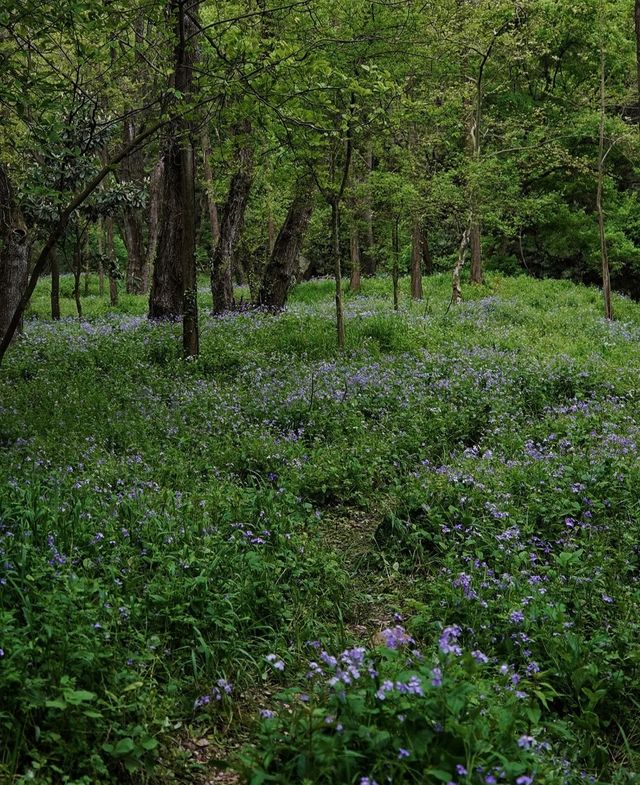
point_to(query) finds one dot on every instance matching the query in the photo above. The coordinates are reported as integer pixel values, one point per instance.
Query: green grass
(166, 525)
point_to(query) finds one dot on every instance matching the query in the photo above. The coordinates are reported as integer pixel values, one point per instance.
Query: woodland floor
(283, 564)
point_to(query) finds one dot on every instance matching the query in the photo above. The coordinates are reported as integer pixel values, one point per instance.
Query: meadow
(414, 561)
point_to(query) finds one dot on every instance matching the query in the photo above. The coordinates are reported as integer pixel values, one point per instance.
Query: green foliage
(166, 526)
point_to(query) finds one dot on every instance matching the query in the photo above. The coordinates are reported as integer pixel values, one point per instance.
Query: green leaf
(124, 747)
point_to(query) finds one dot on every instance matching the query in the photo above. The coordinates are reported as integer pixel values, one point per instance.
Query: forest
(319, 398)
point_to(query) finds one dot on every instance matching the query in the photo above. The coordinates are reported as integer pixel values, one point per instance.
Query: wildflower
(460, 769)
(517, 617)
(524, 780)
(448, 640)
(267, 714)
(436, 677)
(394, 637)
(606, 598)
(277, 663)
(402, 753)
(526, 742)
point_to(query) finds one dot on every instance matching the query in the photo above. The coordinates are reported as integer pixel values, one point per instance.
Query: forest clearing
(428, 543)
(319, 392)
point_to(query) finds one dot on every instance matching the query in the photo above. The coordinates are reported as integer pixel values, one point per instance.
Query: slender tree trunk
(77, 272)
(283, 262)
(337, 268)
(427, 261)
(185, 57)
(231, 228)
(367, 247)
(55, 283)
(132, 221)
(637, 26)
(476, 251)
(100, 278)
(86, 277)
(132, 170)
(212, 207)
(14, 254)
(395, 272)
(113, 265)
(456, 296)
(190, 334)
(416, 259)
(354, 245)
(604, 254)
(475, 232)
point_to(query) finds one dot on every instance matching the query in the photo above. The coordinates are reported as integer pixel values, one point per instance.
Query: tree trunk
(165, 301)
(14, 255)
(476, 251)
(456, 296)
(231, 228)
(271, 231)
(637, 21)
(427, 261)
(155, 205)
(283, 262)
(113, 265)
(367, 247)
(395, 272)
(354, 248)
(77, 272)
(176, 237)
(185, 55)
(100, 277)
(604, 254)
(212, 208)
(132, 170)
(416, 259)
(55, 283)
(337, 268)
(132, 230)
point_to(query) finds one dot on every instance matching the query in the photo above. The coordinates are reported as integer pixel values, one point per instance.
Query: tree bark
(354, 281)
(14, 254)
(416, 259)
(637, 26)
(113, 265)
(231, 227)
(395, 272)
(337, 268)
(177, 235)
(368, 260)
(476, 252)
(155, 205)
(456, 296)
(427, 260)
(77, 272)
(212, 208)
(55, 284)
(283, 262)
(132, 221)
(604, 253)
